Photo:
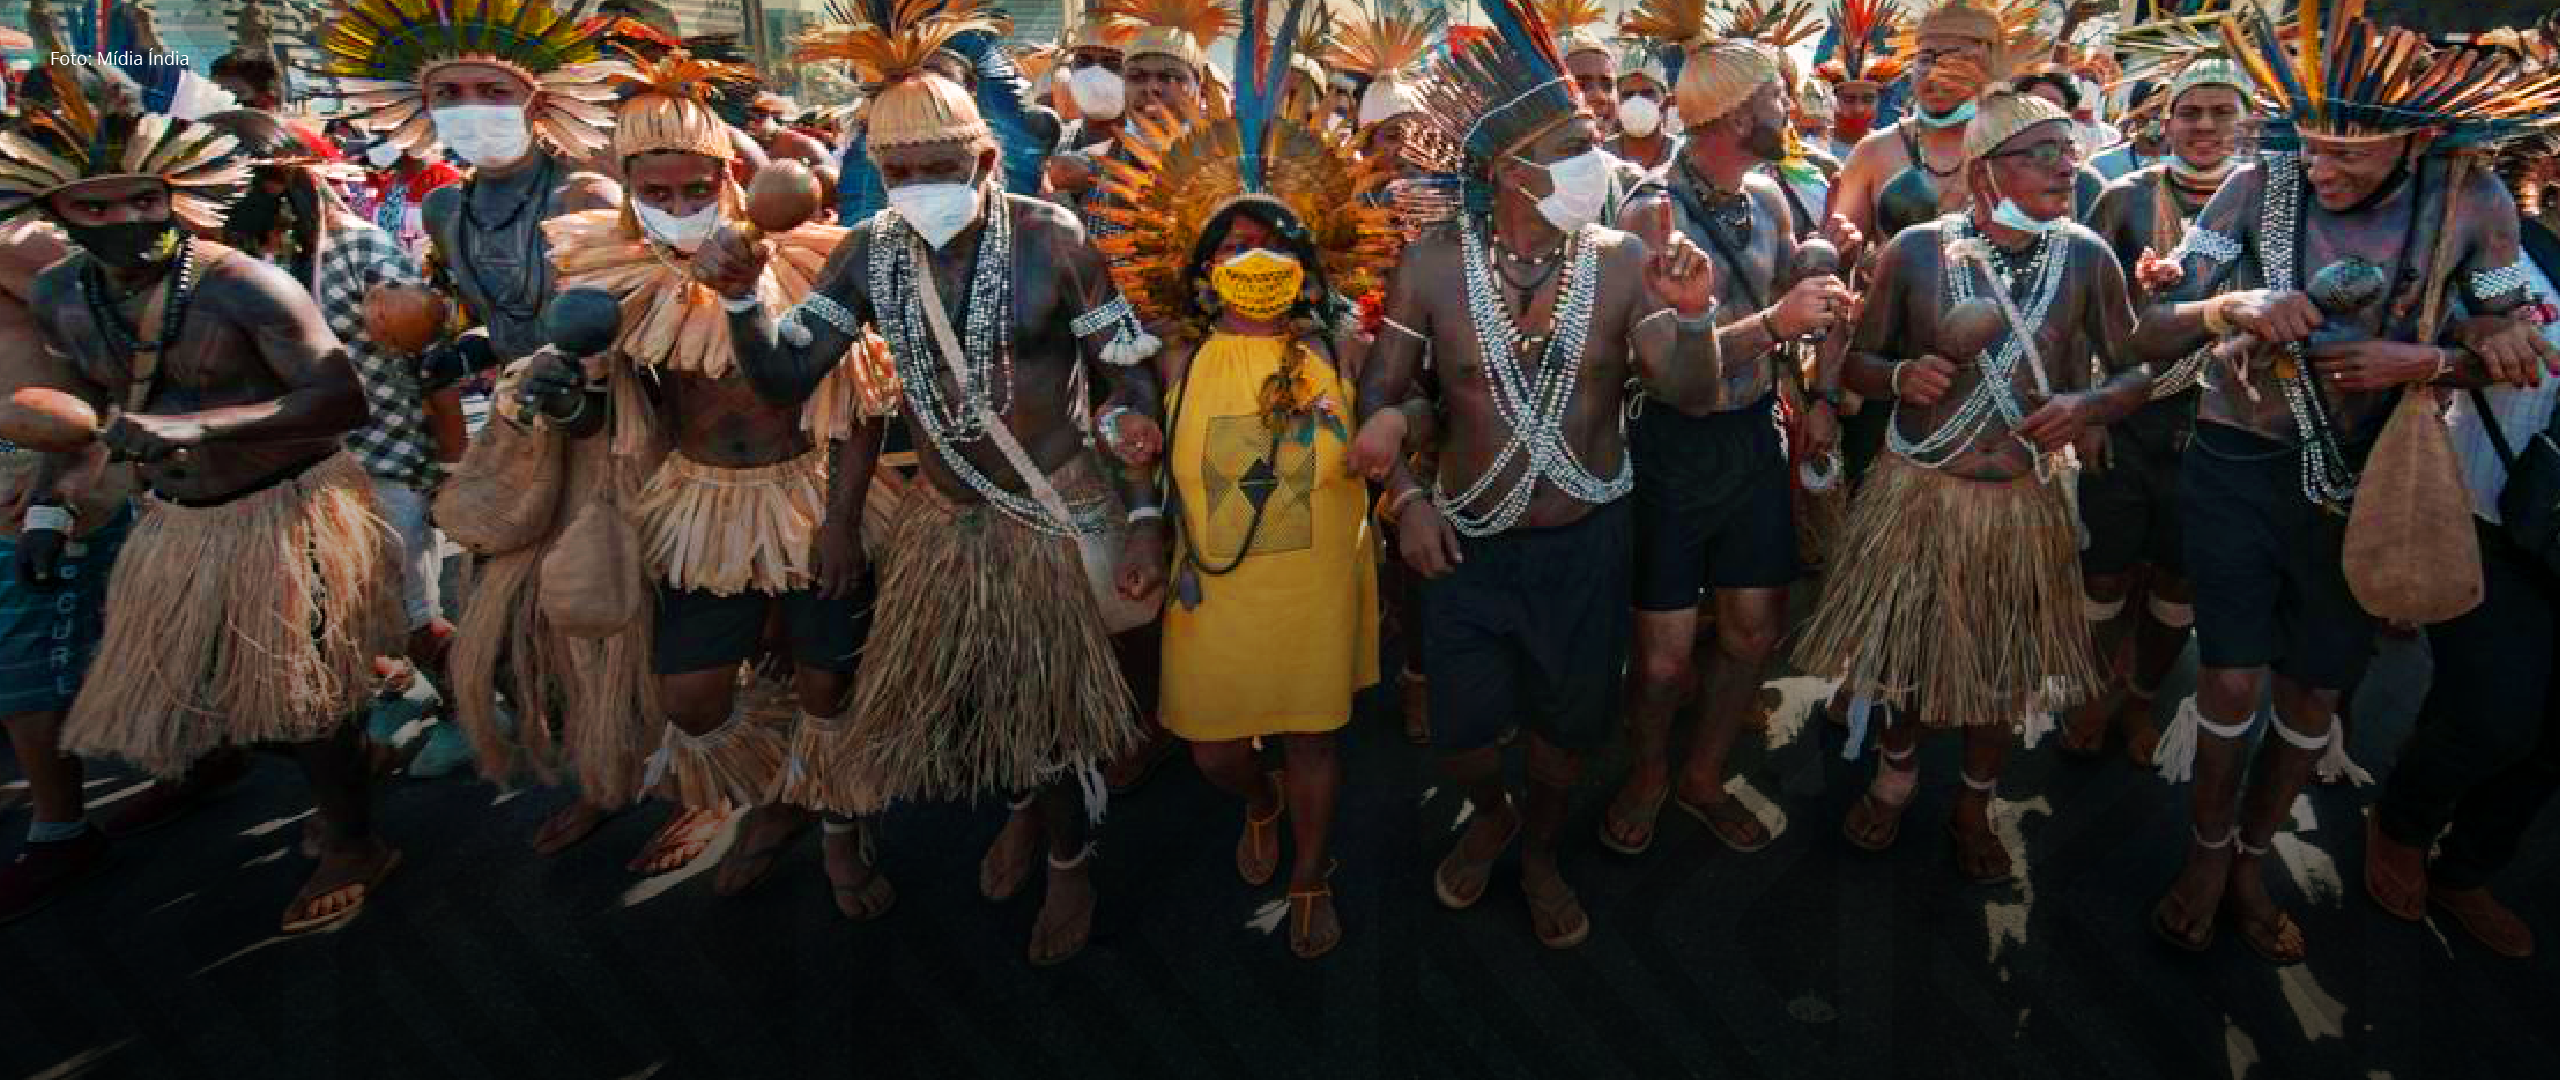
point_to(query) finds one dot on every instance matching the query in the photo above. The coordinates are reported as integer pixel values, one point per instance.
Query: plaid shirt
(393, 444)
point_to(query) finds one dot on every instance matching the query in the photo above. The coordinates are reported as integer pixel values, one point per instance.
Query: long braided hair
(1314, 315)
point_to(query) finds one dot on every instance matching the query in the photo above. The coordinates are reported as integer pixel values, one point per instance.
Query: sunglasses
(2047, 154)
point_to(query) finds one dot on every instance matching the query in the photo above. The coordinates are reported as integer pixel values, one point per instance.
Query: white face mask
(484, 134)
(382, 155)
(681, 233)
(937, 212)
(1581, 190)
(2009, 215)
(1640, 117)
(1098, 91)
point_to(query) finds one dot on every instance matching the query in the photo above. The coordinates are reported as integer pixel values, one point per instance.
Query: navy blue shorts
(1531, 632)
(2269, 573)
(701, 631)
(2131, 505)
(1715, 506)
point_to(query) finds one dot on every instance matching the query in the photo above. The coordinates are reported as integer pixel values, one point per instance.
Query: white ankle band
(1984, 786)
(2230, 835)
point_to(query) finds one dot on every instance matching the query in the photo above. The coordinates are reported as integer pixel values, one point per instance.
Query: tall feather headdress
(1181, 29)
(1384, 43)
(1181, 176)
(1717, 71)
(383, 52)
(1860, 59)
(95, 128)
(2342, 77)
(1575, 25)
(2182, 52)
(1778, 24)
(887, 43)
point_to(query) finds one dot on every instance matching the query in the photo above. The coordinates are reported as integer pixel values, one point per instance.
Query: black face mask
(129, 245)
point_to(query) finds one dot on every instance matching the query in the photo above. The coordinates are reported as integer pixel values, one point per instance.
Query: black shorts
(1862, 438)
(699, 631)
(1715, 507)
(2270, 583)
(1531, 631)
(2131, 505)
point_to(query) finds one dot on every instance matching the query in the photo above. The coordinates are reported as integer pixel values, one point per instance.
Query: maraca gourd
(1970, 329)
(42, 418)
(783, 195)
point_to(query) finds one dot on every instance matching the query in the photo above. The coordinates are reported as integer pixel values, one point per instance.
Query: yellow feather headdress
(671, 107)
(1575, 24)
(1181, 29)
(888, 49)
(383, 52)
(1717, 71)
(1384, 44)
(75, 139)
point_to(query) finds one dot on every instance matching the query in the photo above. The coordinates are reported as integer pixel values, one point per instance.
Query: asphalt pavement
(1807, 960)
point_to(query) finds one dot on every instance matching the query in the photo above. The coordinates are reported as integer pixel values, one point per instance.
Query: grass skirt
(584, 707)
(1961, 597)
(254, 621)
(725, 531)
(988, 668)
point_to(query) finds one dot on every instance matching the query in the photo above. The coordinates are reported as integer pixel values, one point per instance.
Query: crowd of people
(1062, 406)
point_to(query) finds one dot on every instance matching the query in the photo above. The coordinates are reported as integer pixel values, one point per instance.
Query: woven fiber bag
(2411, 554)
(502, 496)
(593, 585)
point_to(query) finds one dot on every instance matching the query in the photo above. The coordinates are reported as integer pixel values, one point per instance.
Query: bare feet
(2269, 930)
(862, 892)
(1555, 913)
(680, 841)
(338, 890)
(1008, 861)
(1462, 876)
(1980, 856)
(2395, 874)
(2491, 923)
(570, 824)
(2184, 917)
(1065, 924)
(1628, 825)
(762, 838)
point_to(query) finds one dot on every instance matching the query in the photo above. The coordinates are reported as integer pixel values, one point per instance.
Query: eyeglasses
(2046, 154)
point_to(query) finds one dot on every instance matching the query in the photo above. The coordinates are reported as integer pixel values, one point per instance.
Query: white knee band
(2170, 613)
(2300, 741)
(2098, 611)
(2176, 756)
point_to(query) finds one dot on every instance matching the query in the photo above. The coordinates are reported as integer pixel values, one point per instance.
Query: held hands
(552, 383)
(1678, 273)
(150, 439)
(2373, 364)
(2157, 274)
(1426, 540)
(1816, 304)
(730, 263)
(1845, 238)
(1136, 440)
(1142, 563)
(1923, 381)
(1374, 451)
(2515, 350)
(2274, 318)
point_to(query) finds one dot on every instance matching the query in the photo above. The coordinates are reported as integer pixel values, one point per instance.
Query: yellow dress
(1282, 642)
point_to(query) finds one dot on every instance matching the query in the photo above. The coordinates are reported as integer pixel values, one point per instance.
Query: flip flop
(1249, 865)
(1555, 905)
(760, 860)
(1651, 817)
(1479, 873)
(1887, 815)
(869, 900)
(1302, 913)
(1716, 825)
(2272, 929)
(2008, 871)
(2160, 927)
(364, 892)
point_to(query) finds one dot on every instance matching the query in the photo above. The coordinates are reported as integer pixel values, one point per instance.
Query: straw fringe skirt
(1961, 597)
(586, 709)
(254, 621)
(988, 668)
(728, 530)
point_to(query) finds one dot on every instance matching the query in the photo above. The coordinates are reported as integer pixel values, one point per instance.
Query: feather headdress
(887, 45)
(1100, 28)
(1383, 44)
(1574, 24)
(1778, 24)
(2342, 77)
(671, 107)
(383, 52)
(2183, 52)
(1861, 59)
(2010, 32)
(1717, 71)
(1488, 97)
(1182, 176)
(95, 128)
(1181, 29)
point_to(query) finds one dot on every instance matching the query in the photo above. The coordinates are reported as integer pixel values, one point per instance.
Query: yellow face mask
(1260, 284)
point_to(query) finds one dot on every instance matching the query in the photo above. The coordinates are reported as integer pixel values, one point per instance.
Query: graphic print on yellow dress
(1281, 642)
